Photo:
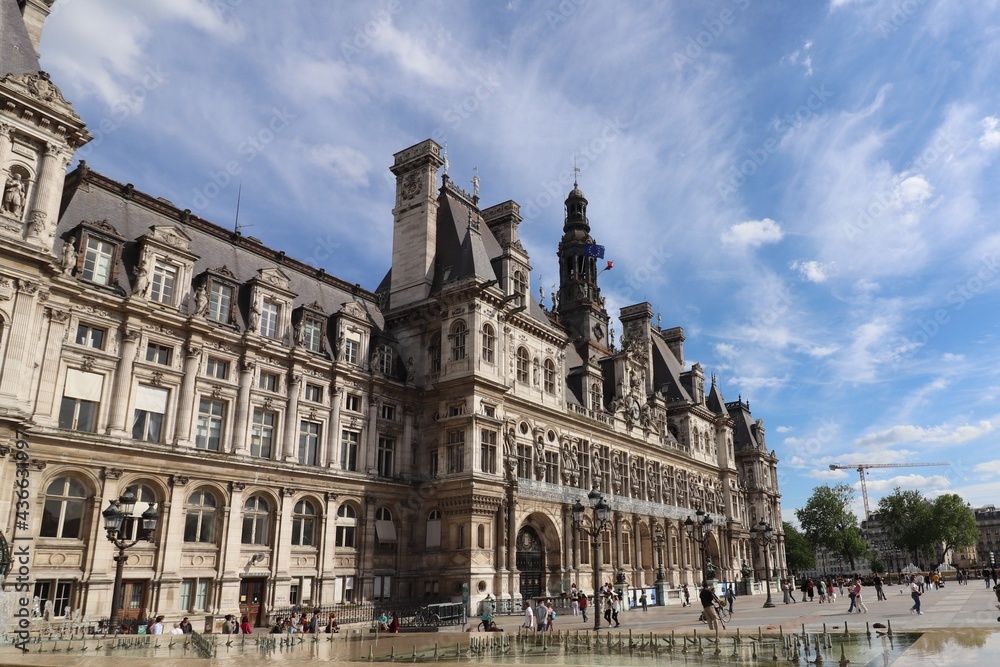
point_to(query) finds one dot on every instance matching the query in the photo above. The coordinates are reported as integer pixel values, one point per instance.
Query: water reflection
(954, 648)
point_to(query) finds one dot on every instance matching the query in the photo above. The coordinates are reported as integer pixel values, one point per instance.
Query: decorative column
(171, 532)
(241, 420)
(373, 405)
(326, 575)
(118, 419)
(406, 446)
(281, 551)
(50, 366)
(637, 552)
(185, 403)
(45, 185)
(333, 434)
(16, 378)
(230, 564)
(291, 418)
(5, 144)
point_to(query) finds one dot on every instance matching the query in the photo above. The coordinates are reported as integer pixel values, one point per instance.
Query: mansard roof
(90, 196)
(715, 402)
(744, 431)
(667, 372)
(462, 252)
(17, 54)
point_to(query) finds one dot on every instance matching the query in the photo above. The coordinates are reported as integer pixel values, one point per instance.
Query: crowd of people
(304, 623)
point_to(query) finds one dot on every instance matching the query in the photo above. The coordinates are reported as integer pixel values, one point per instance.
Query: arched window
(523, 365)
(143, 497)
(549, 376)
(65, 499)
(489, 343)
(256, 517)
(481, 536)
(433, 540)
(596, 404)
(347, 522)
(520, 288)
(199, 518)
(303, 523)
(459, 334)
(434, 350)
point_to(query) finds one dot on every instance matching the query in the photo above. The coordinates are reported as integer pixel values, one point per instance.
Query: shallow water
(957, 648)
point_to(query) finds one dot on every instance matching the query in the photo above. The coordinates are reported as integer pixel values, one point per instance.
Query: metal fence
(409, 613)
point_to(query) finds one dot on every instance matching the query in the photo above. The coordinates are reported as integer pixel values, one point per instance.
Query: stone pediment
(170, 236)
(355, 310)
(274, 278)
(38, 86)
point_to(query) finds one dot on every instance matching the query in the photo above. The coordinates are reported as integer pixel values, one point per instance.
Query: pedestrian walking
(831, 595)
(529, 616)
(915, 594)
(708, 602)
(551, 617)
(786, 595)
(541, 616)
(858, 599)
(687, 596)
(616, 605)
(574, 599)
(730, 597)
(643, 601)
(879, 593)
(821, 587)
(584, 605)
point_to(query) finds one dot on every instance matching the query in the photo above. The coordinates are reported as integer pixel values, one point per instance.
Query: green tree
(828, 522)
(799, 554)
(905, 517)
(954, 523)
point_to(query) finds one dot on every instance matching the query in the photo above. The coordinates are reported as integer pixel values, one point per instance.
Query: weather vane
(475, 181)
(444, 156)
(576, 172)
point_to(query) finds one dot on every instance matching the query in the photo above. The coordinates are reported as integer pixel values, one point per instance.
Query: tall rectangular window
(433, 463)
(267, 381)
(488, 451)
(161, 287)
(97, 261)
(314, 393)
(211, 414)
(90, 336)
(524, 461)
(309, 435)
(150, 407)
(312, 332)
(220, 302)
(351, 351)
(385, 454)
(76, 414)
(262, 433)
(349, 450)
(353, 403)
(552, 467)
(269, 313)
(456, 451)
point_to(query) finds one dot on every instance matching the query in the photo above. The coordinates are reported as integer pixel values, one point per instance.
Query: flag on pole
(593, 250)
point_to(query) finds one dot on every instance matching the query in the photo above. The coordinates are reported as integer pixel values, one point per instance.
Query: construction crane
(862, 467)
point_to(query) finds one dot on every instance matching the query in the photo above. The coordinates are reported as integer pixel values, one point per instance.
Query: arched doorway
(530, 562)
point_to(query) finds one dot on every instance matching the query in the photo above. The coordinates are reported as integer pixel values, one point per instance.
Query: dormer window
(269, 314)
(310, 328)
(216, 297)
(100, 247)
(163, 284)
(351, 349)
(98, 261)
(520, 288)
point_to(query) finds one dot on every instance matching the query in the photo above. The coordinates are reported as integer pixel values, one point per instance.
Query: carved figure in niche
(409, 370)
(141, 280)
(200, 301)
(340, 347)
(254, 320)
(298, 333)
(13, 196)
(617, 473)
(634, 472)
(68, 256)
(509, 443)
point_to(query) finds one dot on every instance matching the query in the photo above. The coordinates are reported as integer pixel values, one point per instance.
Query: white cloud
(813, 271)
(827, 474)
(753, 233)
(913, 191)
(988, 467)
(990, 139)
(921, 482)
(945, 434)
(349, 166)
(784, 429)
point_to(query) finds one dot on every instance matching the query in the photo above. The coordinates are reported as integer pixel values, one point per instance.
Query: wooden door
(252, 600)
(133, 600)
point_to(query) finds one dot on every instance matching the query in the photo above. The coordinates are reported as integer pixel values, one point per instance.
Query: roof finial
(576, 172)
(444, 156)
(475, 183)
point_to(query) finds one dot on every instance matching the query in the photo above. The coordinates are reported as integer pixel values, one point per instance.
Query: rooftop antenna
(576, 172)
(444, 156)
(236, 225)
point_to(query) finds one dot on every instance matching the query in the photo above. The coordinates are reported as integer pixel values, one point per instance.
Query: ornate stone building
(306, 440)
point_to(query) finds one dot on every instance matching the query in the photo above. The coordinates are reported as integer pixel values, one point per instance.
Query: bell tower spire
(581, 307)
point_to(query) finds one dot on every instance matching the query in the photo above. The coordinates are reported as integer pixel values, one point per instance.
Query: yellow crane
(862, 467)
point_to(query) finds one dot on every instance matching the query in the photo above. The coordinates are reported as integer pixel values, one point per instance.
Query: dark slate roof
(743, 432)
(99, 198)
(667, 372)
(461, 252)
(17, 54)
(715, 401)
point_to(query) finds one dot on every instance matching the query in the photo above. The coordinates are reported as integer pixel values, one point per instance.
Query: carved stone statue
(68, 257)
(709, 568)
(298, 333)
(141, 280)
(200, 301)
(13, 196)
(254, 320)
(409, 370)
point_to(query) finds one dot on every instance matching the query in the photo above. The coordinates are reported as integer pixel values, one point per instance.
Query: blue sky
(808, 188)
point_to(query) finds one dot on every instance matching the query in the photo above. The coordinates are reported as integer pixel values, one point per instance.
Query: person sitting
(185, 626)
(394, 624)
(177, 630)
(332, 626)
(382, 622)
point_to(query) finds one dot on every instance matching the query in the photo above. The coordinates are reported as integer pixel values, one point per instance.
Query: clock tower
(580, 305)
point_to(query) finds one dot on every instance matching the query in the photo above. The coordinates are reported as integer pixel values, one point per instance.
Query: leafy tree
(954, 523)
(828, 522)
(877, 565)
(799, 554)
(905, 517)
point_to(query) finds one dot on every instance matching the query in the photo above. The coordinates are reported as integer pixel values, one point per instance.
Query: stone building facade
(309, 441)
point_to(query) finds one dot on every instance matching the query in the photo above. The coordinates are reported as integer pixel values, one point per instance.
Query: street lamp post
(119, 524)
(763, 535)
(704, 526)
(602, 515)
(661, 576)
